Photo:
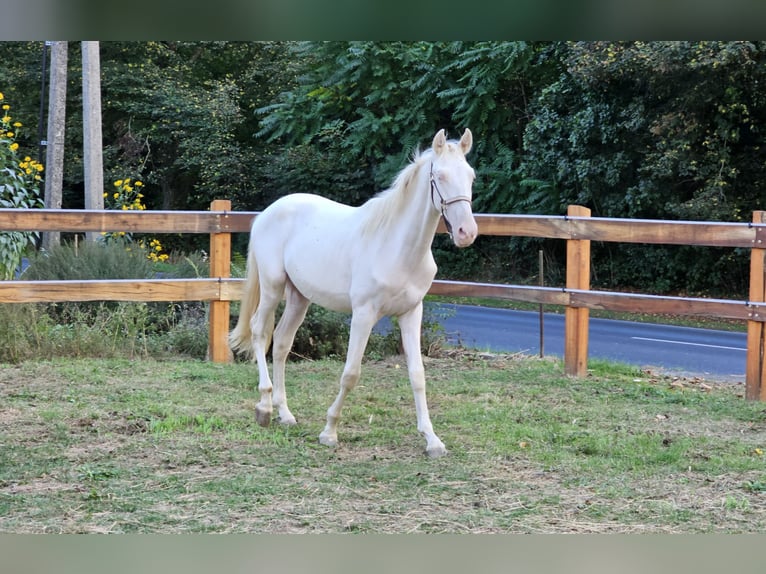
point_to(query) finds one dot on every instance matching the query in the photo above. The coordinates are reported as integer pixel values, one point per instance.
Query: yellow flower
(118, 183)
(14, 146)
(116, 196)
(6, 119)
(27, 158)
(139, 184)
(17, 124)
(2, 96)
(10, 134)
(124, 207)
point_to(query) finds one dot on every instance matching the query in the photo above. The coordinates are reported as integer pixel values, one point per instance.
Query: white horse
(373, 260)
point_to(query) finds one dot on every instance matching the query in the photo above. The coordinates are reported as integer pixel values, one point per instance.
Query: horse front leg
(362, 321)
(410, 324)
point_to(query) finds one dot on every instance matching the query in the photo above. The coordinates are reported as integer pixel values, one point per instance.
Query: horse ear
(466, 141)
(440, 142)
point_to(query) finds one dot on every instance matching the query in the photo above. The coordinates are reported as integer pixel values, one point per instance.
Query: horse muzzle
(465, 233)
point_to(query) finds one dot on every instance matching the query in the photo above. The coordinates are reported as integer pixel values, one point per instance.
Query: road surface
(683, 350)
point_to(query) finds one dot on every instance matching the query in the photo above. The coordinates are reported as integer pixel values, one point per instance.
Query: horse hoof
(262, 417)
(436, 451)
(288, 421)
(327, 440)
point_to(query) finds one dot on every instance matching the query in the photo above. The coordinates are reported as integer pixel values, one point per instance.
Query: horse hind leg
(292, 317)
(262, 327)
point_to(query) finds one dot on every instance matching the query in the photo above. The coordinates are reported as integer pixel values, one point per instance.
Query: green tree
(369, 104)
(655, 130)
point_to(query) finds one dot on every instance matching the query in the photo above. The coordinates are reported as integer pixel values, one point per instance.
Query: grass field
(171, 446)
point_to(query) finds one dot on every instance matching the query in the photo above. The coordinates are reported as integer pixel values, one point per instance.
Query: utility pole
(93, 151)
(54, 155)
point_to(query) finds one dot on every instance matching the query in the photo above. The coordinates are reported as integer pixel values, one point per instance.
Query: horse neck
(419, 220)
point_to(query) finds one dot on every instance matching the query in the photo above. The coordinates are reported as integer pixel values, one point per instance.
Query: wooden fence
(577, 228)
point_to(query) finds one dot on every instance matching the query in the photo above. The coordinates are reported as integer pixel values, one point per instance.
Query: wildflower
(6, 119)
(116, 196)
(118, 183)
(17, 124)
(14, 146)
(2, 97)
(10, 134)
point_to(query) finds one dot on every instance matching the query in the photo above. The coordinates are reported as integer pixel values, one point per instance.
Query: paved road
(682, 350)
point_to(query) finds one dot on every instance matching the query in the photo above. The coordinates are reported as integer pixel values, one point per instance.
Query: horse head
(451, 180)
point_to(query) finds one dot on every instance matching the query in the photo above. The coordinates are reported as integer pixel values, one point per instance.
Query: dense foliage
(19, 188)
(630, 129)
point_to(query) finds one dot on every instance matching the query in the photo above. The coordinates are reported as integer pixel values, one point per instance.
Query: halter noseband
(442, 202)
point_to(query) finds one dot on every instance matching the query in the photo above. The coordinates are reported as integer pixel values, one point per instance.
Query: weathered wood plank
(665, 305)
(664, 232)
(547, 295)
(111, 290)
(702, 233)
(544, 226)
(79, 220)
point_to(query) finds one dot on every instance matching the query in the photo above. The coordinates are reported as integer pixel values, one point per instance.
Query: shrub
(19, 188)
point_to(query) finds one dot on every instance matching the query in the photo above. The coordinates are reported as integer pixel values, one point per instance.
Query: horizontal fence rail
(214, 289)
(606, 300)
(577, 228)
(703, 233)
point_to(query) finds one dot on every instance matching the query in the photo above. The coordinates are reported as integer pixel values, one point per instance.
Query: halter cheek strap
(444, 203)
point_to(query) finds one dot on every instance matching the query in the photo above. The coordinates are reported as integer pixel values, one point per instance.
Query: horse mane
(386, 206)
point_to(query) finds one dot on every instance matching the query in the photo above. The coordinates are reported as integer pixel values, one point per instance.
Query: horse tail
(240, 338)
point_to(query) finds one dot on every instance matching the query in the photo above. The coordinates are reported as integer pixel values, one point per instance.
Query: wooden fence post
(576, 318)
(220, 266)
(755, 368)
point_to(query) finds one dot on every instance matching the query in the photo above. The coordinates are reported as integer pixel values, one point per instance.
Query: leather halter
(444, 203)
